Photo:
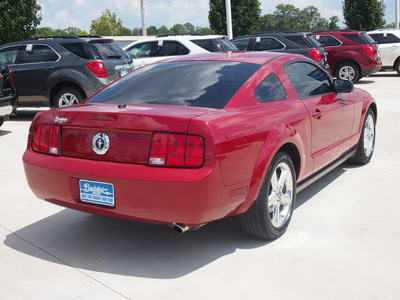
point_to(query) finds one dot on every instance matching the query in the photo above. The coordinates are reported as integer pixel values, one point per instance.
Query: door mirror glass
(343, 86)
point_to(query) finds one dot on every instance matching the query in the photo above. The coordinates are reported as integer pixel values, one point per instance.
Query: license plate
(124, 72)
(97, 192)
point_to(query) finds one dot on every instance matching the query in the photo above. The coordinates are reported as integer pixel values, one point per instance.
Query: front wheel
(366, 144)
(68, 96)
(397, 67)
(271, 213)
(348, 71)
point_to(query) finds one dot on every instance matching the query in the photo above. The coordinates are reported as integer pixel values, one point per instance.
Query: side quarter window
(271, 89)
(308, 80)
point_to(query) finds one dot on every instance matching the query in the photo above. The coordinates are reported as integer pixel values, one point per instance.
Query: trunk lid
(129, 128)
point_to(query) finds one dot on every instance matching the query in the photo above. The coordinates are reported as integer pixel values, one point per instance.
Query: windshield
(202, 84)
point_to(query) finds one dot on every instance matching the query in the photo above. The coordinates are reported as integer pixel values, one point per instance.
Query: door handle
(317, 114)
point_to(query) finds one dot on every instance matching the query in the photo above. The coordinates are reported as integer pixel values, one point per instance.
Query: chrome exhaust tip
(180, 228)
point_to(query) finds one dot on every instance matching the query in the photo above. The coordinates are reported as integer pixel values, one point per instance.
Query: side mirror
(343, 86)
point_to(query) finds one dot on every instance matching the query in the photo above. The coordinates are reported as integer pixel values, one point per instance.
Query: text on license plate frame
(95, 192)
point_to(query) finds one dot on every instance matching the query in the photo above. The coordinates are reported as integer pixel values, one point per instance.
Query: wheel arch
(347, 60)
(63, 84)
(288, 147)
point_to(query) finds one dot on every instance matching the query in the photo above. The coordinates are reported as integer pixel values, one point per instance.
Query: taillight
(11, 78)
(46, 139)
(176, 150)
(369, 50)
(97, 68)
(316, 54)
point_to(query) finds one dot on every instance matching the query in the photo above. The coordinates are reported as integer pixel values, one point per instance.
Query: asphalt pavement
(343, 241)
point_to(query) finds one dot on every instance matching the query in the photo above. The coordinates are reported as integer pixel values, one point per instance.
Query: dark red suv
(351, 54)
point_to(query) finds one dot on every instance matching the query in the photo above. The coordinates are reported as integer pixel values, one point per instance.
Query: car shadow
(106, 245)
(4, 132)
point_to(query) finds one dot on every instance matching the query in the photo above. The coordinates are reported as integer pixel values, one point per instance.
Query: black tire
(397, 67)
(348, 71)
(67, 96)
(1, 121)
(366, 144)
(262, 220)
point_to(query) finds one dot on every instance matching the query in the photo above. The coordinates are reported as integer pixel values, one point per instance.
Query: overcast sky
(60, 14)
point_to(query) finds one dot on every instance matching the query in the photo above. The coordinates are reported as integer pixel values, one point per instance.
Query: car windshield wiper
(114, 56)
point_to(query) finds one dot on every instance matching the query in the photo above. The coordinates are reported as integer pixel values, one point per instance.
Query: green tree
(107, 24)
(73, 31)
(246, 16)
(178, 29)
(364, 14)
(163, 30)
(287, 17)
(333, 23)
(19, 19)
(44, 31)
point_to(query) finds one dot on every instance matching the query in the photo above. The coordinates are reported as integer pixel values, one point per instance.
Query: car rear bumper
(375, 69)
(142, 193)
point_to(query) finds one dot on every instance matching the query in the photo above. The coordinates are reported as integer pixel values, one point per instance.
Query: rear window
(106, 49)
(200, 84)
(362, 39)
(215, 45)
(298, 39)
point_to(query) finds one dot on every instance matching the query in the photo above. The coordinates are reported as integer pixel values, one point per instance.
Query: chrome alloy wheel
(369, 135)
(280, 198)
(347, 73)
(68, 99)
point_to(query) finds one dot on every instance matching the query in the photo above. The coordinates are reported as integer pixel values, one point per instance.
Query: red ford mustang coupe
(200, 138)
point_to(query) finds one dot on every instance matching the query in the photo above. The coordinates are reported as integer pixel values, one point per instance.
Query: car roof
(253, 57)
(178, 37)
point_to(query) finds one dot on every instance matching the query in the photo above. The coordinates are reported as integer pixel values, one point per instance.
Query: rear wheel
(68, 96)
(366, 145)
(348, 71)
(270, 214)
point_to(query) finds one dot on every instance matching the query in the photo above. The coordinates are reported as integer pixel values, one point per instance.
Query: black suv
(289, 41)
(8, 95)
(63, 70)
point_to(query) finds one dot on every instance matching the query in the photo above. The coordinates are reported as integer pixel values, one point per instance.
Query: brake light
(46, 139)
(176, 150)
(369, 50)
(97, 68)
(11, 78)
(315, 54)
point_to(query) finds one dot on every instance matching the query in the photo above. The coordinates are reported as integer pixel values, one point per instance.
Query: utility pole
(397, 14)
(229, 18)
(144, 32)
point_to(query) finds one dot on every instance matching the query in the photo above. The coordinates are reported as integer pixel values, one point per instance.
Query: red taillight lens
(369, 50)
(46, 139)
(315, 54)
(176, 150)
(11, 78)
(97, 68)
